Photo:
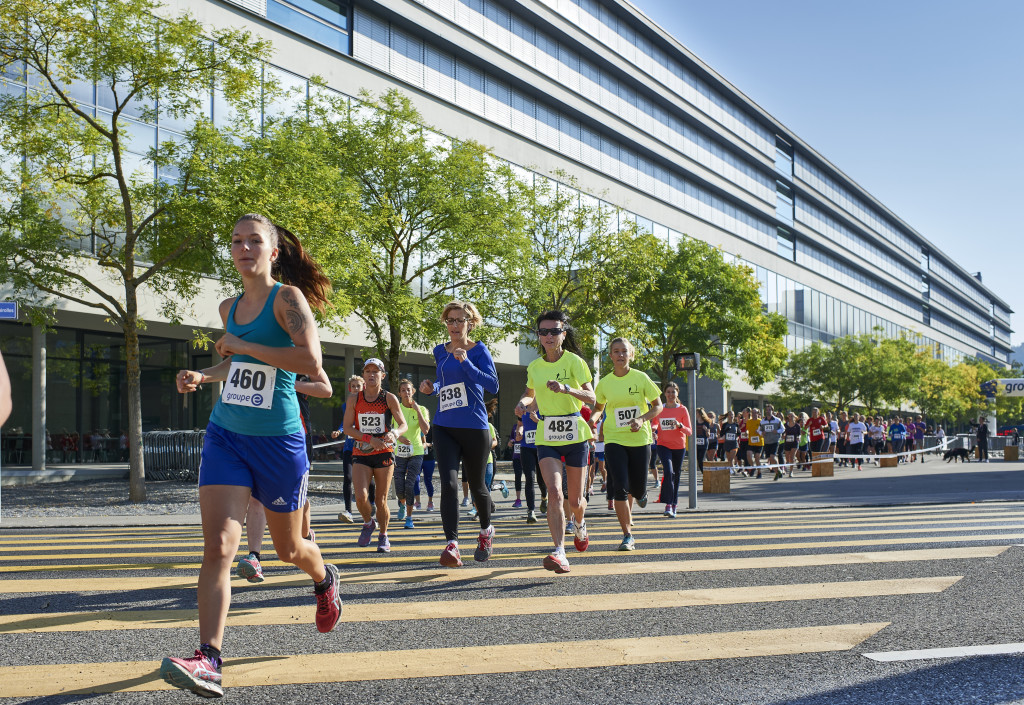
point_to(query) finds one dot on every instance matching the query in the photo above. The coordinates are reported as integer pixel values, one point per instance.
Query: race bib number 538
(561, 429)
(452, 396)
(251, 385)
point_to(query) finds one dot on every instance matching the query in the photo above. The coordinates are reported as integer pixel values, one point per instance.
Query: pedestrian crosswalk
(136, 586)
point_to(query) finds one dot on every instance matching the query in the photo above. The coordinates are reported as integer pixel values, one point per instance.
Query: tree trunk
(136, 464)
(394, 352)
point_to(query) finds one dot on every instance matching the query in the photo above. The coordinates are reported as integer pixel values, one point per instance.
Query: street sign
(8, 310)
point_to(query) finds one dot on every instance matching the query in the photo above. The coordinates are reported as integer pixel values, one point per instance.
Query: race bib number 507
(251, 385)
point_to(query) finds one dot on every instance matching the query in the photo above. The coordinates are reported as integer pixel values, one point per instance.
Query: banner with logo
(1004, 387)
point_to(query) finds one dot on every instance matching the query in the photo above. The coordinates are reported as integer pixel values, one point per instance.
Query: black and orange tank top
(373, 418)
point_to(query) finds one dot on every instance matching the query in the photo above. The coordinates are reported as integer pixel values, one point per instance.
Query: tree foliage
(949, 393)
(431, 219)
(82, 217)
(701, 303)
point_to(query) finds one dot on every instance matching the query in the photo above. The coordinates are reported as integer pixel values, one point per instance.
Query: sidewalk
(103, 502)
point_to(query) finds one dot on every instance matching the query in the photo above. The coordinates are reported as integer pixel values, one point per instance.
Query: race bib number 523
(251, 385)
(561, 429)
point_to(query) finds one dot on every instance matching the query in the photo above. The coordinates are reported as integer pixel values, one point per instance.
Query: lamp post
(690, 363)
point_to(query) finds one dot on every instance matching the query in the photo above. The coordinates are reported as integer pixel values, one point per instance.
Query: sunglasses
(550, 331)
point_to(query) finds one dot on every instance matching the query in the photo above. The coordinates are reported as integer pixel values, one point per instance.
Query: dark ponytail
(570, 342)
(293, 266)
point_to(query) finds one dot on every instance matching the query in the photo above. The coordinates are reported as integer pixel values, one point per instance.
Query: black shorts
(574, 455)
(789, 445)
(377, 460)
(730, 446)
(771, 449)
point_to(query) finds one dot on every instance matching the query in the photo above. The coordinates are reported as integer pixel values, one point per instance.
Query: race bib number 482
(561, 429)
(251, 385)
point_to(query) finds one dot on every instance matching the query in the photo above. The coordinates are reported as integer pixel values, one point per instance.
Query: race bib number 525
(251, 385)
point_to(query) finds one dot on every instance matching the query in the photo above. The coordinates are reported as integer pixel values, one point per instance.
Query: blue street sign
(8, 310)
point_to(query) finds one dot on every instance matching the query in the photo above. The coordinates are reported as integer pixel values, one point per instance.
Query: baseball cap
(374, 361)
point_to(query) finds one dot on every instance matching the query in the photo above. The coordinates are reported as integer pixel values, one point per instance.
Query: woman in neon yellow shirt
(630, 400)
(409, 451)
(560, 382)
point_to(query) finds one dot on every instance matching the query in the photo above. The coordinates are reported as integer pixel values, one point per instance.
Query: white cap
(374, 361)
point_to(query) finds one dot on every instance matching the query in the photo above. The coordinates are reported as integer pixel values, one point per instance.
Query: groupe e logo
(1012, 387)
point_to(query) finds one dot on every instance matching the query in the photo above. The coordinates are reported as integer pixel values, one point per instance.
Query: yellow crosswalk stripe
(666, 533)
(456, 609)
(119, 676)
(398, 555)
(438, 574)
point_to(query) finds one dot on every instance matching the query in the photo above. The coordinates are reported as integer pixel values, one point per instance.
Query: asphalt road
(757, 606)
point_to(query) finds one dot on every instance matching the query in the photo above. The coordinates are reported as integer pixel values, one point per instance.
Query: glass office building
(595, 89)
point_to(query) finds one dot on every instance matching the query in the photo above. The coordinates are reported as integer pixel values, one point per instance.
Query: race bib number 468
(251, 385)
(561, 429)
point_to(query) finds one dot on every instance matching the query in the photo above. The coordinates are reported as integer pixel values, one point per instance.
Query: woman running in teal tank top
(255, 445)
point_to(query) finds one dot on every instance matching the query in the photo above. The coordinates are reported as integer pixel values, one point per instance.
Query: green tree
(825, 373)
(433, 219)
(890, 373)
(82, 217)
(701, 303)
(944, 392)
(587, 259)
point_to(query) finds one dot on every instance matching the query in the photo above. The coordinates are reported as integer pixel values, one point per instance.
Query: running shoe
(465, 501)
(518, 504)
(450, 557)
(198, 674)
(672, 511)
(483, 548)
(611, 505)
(472, 512)
(581, 540)
(628, 544)
(328, 602)
(312, 535)
(418, 506)
(383, 545)
(531, 517)
(557, 562)
(401, 512)
(430, 506)
(250, 568)
(345, 516)
(668, 510)
(604, 486)
(367, 533)
(504, 490)
(409, 524)
(758, 474)
(642, 502)
(570, 527)
(543, 505)
(778, 474)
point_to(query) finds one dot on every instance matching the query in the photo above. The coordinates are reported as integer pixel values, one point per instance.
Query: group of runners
(256, 455)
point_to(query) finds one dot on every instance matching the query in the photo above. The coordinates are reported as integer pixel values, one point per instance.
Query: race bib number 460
(251, 385)
(561, 429)
(452, 396)
(625, 415)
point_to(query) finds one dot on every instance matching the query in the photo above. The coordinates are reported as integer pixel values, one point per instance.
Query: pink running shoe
(556, 562)
(250, 569)
(198, 674)
(328, 603)
(367, 533)
(450, 557)
(483, 549)
(581, 540)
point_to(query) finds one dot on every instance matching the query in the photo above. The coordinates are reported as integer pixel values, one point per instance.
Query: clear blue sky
(920, 102)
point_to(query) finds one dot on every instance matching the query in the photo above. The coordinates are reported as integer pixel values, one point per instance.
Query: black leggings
(471, 446)
(517, 467)
(983, 448)
(629, 466)
(528, 459)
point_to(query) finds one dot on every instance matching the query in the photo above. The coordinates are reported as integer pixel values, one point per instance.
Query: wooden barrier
(822, 465)
(1011, 453)
(715, 479)
(888, 462)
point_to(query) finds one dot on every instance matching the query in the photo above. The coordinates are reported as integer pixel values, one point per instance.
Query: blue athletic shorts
(275, 468)
(576, 455)
(600, 456)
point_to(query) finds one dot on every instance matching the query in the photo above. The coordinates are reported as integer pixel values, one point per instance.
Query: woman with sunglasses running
(462, 433)
(254, 444)
(560, 382)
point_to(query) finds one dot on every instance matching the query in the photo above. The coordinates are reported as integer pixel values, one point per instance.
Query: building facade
(589, 87)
